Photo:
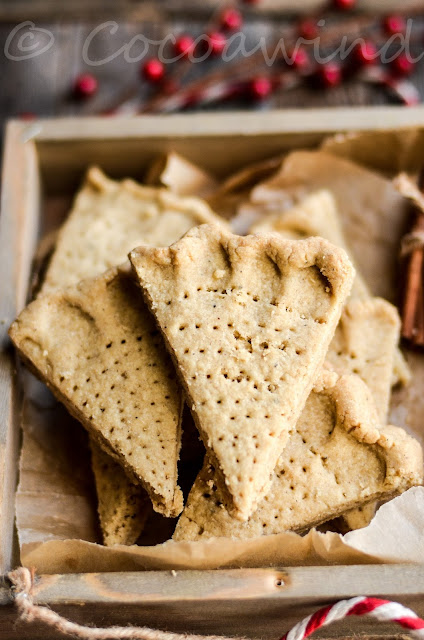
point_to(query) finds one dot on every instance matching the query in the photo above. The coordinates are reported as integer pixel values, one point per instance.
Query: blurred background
(129, 57)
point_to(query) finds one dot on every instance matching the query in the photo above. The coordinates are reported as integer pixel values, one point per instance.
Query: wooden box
(43, 163)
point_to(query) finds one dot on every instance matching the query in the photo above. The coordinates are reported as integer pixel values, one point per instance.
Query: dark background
(42, 86)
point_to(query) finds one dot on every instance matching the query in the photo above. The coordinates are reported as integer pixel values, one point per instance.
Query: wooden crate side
(256, 603)
(67, 146)
(18, 232)
(248, 602)
(229, 124)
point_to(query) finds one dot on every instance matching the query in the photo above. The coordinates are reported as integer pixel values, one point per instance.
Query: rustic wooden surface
(256, 603)
(41, 85)
(259, 603)
(18, 234)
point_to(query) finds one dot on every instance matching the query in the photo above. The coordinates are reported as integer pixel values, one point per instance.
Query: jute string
(22, 581)
(381, 610)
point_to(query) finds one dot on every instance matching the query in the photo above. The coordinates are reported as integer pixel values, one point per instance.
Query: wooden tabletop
(41, 84)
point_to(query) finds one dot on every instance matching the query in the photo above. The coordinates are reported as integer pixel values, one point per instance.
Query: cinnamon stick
(413, 295)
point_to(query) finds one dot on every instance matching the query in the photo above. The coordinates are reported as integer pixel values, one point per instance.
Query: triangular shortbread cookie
(337, 459)
(248, 321)
(98, 349)
(365, 343)
(109, 218)
(123, 507)
(317, 215)
(369, 330)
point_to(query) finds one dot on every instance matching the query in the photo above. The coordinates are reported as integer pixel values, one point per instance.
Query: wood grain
(258, 603)
(67, 146)
(18, 232)
(42, 85)
(22, 9)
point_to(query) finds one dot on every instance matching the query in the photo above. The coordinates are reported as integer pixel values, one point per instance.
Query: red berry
(231, 19)
(344, 5)
(299, 60)
(329, 75)
(308, 29)
(85, 86)
(260, 88)
(153, 70)
(184, 45)
(217, 43)
(402, 65)
(394, 24)
(364, 54)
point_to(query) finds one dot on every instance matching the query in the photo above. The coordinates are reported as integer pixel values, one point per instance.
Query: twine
(22, 580)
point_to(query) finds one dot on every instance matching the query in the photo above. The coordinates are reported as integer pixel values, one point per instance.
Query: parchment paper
(181, 176)
(55, 506)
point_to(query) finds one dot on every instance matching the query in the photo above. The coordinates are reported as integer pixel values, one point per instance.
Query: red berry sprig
(231, 20)
(308, 29)
(216, 43)
(184, 46)
(328, 75)
(85, 86)
(402, 65)
(299, 60)
(153, 71)
(364, 54)
(394, 24)
(259, 88)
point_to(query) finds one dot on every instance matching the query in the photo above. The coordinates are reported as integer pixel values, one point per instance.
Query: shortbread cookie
(248, 321)
(364, 343)
(317, 215)
(109, 218)
(369, 330)
(123, 507)
(337, 459)
(98, 349)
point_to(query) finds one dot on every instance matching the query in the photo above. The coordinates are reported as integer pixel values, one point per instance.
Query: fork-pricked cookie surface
(337, 459)
(97, 347)
(366, 340)
(109, 218)
(317, 215)
(248, 321)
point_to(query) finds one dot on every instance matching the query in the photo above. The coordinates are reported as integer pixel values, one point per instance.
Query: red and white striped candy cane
(382, 610)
